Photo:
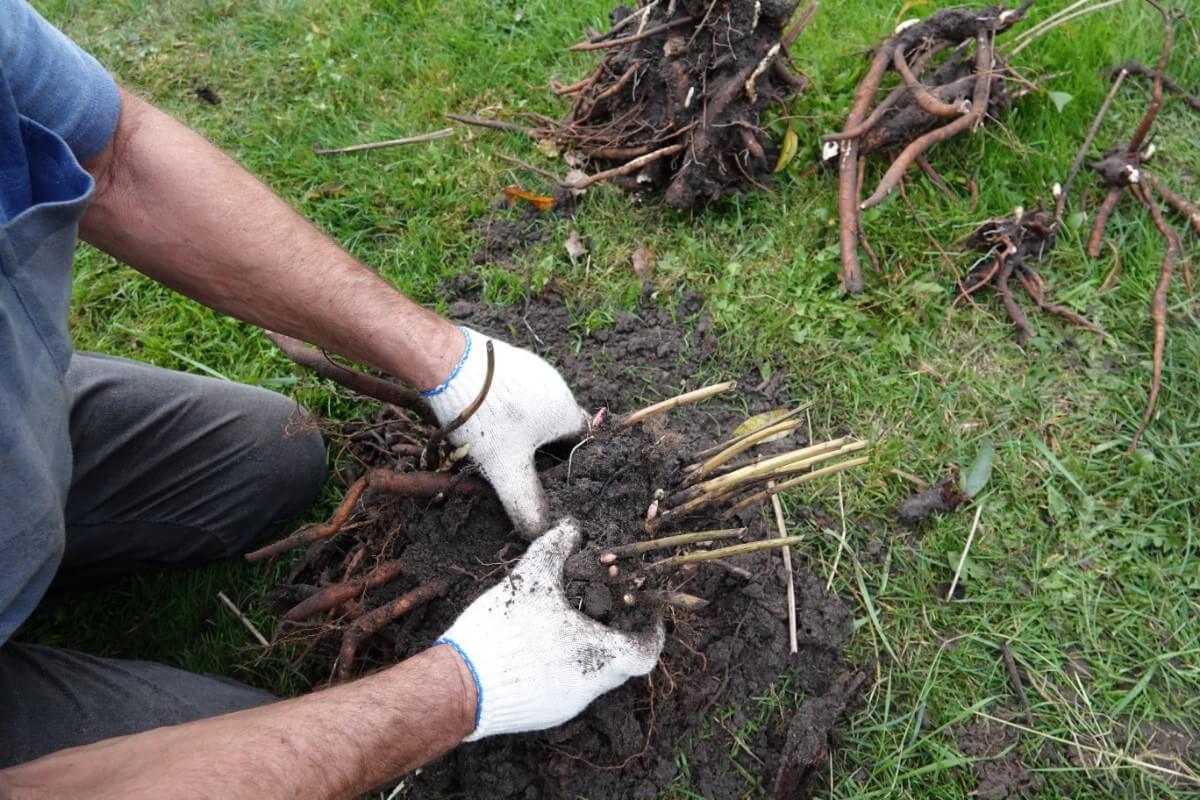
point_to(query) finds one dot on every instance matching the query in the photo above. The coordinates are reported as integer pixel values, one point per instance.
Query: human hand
(537, 662)
(527, 406)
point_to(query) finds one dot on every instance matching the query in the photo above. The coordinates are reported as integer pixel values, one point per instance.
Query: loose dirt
(716, 661)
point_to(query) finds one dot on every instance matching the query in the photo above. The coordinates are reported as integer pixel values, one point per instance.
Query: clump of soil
(719, 657)
(674, 107)
(941, 499)
(998, 767)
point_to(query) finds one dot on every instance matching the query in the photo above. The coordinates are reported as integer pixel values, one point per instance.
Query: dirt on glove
(705, 698)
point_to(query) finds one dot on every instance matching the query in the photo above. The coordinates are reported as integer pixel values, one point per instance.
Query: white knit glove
(537, 662)
(528, 406)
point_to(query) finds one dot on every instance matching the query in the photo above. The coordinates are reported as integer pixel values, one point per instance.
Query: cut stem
(717, 448)
(674, 541)
(685, 602)
(684, 399)
(744, 444)
(724, 552)
(812, 476)
(793, 645)
(739, 480)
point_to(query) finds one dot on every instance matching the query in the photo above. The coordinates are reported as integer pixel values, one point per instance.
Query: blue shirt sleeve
(55, 83)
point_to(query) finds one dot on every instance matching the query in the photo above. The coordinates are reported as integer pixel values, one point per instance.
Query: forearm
(339, 742)
(173, 206)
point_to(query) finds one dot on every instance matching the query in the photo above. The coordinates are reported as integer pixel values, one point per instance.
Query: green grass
(1086, 562)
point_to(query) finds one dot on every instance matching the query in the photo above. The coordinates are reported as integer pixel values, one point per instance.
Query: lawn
(1085, 563)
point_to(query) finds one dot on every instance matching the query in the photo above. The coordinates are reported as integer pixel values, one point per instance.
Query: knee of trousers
(291, 455)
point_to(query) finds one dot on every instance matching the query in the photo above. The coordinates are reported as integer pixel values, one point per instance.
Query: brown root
(335, 595)
(406, 484)
(912, 117)
(368, 624)
(1158, 312)
(1096, 239)
(381, 389)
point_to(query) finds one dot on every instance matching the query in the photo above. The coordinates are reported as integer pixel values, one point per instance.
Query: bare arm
(336, 743)
(175, 207)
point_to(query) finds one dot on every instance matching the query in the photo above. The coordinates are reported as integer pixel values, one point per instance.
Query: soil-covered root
(674, 108)
(933, 102)
(1011, 247)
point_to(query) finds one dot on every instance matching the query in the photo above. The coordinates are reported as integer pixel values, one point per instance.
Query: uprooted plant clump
(1012, 247)
(413, 547)
(1122, 169)
(932, 103)
(673, 109)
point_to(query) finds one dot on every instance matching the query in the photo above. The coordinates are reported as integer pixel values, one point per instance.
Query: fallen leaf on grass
(788, 151)
(575, 246)
(643, 261)
(980, 472)
(326, 190)
(539, 201)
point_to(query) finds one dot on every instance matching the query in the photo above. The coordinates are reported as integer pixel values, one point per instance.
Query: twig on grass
(842, 539)
(1087, 143)
(1014, 677)
(358, 148)
(545, 173)
(963, 558)
(237, 612)
(494, 124)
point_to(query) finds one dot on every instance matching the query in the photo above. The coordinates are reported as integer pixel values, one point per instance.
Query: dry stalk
(687, 398)
(782, 487)
(746, 442)
(358, 148)
(724, 552)
(793, 645)
(717, 448)
(636, 548)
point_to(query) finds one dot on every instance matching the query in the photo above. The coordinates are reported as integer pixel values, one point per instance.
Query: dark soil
(721, 657)
(508, 232)
(998, 767)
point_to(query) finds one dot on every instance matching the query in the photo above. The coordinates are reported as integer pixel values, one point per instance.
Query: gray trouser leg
(174, 469)
(169, 469)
